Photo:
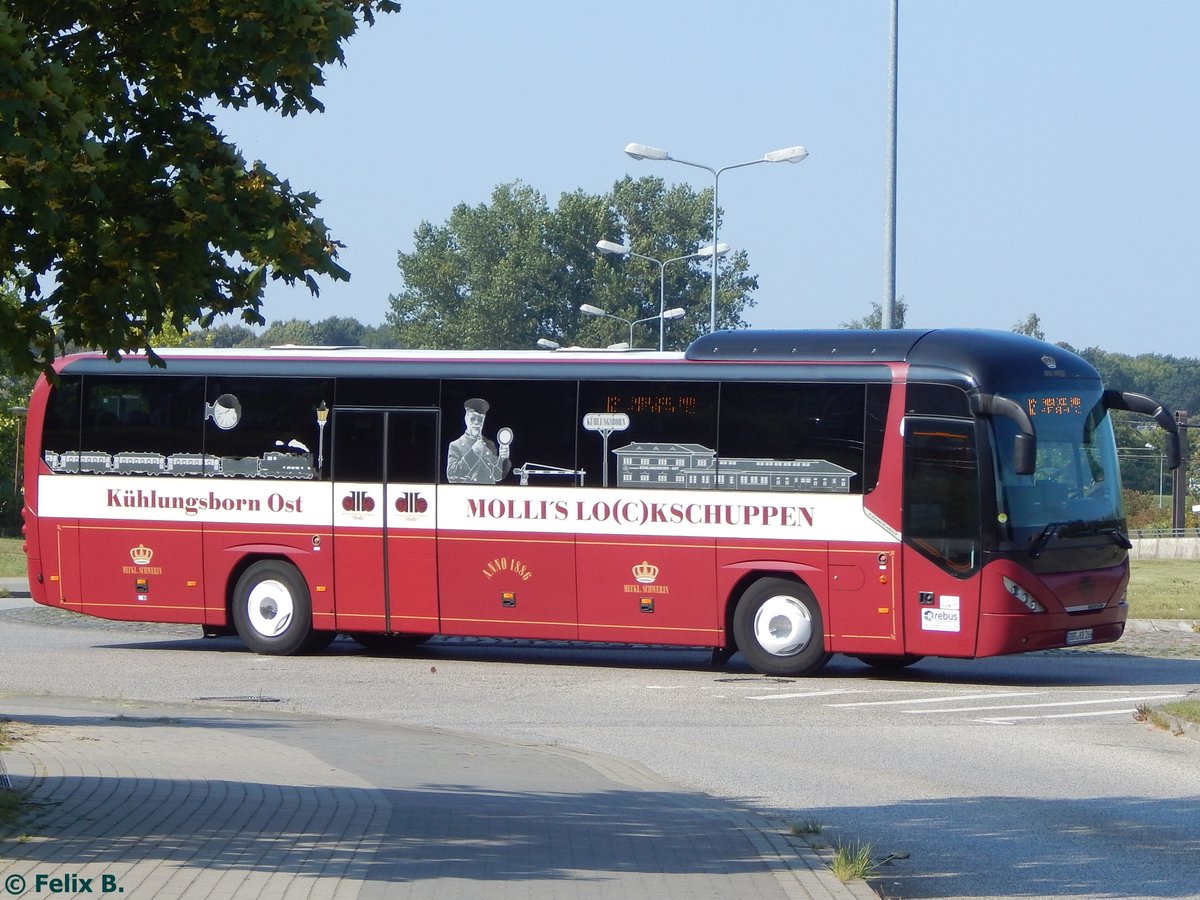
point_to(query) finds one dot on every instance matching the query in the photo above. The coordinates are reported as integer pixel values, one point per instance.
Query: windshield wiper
(1075, 528)
(1050, 532)
(1118, 537)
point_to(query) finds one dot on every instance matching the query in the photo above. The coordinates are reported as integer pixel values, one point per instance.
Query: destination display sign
(1055, 405)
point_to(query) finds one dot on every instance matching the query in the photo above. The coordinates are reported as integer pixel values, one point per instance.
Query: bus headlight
(1026, 598)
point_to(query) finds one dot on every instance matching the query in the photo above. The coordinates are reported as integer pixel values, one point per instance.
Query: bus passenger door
(385, 542)
(942, 544)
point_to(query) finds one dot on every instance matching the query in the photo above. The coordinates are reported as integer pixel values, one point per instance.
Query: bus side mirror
(1140, 403)
(1174, 456)
(1024, 454)
(1025, 443)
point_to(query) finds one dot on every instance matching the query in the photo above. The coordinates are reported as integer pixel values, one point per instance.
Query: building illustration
(693, 466)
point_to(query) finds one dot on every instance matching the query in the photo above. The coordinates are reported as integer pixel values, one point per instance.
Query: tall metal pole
(19, 412)
(1179, 479)
(889, 217)
(1161, 456)
(712, 316)
(662, 305)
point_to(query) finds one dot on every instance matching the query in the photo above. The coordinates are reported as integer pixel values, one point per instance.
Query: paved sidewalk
(14, 587)
(218, 802)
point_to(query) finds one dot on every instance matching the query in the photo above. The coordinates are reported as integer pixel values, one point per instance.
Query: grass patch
(12, 558)
(12, 807)
(12, 802)
(1183, 709)
(1164, 589)
(851, 861)
(807, 826)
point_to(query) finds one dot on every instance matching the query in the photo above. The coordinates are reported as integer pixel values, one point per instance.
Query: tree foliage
(505, 273)
(1031, 325)
(123, 211)
(873, 321)
(1175, 383)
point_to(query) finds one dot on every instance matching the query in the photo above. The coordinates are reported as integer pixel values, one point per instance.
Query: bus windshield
(1076, 478)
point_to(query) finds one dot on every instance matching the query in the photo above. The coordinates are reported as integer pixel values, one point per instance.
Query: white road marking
(1109, 700)
(801, 696)
(948, 699)
(1013, 720)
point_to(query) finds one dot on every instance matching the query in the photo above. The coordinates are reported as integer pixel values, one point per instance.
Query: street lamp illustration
(322, 418)
(615, 249)
(787, 154)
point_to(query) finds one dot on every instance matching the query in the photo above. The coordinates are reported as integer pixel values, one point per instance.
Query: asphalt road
(1016, 777)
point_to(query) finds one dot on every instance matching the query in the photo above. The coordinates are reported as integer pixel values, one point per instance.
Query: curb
(1166, 625)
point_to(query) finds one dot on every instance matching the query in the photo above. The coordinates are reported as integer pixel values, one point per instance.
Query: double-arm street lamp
(616, 249)
(589, 310)
(787, 154)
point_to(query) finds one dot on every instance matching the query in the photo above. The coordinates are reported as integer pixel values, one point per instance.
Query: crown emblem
(141, 555)
(645, 573)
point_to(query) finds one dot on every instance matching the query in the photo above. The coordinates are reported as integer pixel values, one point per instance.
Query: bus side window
(60, 429)
(257, 427)
(796, 436)
(154, 415)
(510, 432)
(941, 493)
(668, 439)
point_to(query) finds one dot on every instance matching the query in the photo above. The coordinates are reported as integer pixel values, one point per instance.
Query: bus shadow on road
(1057, 668)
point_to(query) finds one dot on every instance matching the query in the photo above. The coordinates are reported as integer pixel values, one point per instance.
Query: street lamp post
(589, 310)
(19, 412)
(787, 154)
(612, 247)
(1150, 446)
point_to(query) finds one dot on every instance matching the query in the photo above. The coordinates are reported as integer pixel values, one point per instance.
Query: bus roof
(963, 356)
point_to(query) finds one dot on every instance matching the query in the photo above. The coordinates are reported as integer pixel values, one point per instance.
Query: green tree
(123, 210)
(1031, 325)
(14, 395)
(505, 273)
(224, 335)
(332, 332)
(873, 321)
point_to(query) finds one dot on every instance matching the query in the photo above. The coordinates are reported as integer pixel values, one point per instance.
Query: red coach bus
(884, 494)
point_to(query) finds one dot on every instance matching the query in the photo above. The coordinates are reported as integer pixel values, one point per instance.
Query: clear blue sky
(1047, 148)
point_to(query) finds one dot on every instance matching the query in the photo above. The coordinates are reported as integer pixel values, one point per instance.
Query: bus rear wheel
(272, 610)
(778, 628)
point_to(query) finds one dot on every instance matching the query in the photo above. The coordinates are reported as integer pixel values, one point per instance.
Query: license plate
(1079, 636)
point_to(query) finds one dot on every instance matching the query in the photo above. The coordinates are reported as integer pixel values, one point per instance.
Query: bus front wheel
(272, 610)
(778, 628)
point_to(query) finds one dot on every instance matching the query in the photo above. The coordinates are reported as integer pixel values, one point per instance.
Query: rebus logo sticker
(944, 618)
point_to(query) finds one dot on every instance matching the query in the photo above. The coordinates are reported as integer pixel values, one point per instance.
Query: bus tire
(272, 610)
(778, 628)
